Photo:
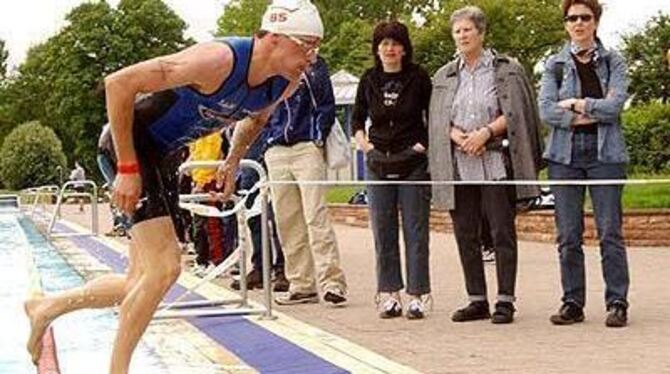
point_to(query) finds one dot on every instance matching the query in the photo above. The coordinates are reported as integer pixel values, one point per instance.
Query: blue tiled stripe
(257, 347)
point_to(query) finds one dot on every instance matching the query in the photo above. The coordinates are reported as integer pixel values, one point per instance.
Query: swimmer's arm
(247, 130)
(202, 66)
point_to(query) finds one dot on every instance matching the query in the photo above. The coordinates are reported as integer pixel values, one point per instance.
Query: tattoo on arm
(166, 67)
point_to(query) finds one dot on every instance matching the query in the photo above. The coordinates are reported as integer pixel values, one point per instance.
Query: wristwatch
(572, 107)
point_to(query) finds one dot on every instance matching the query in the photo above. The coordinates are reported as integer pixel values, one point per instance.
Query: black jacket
(394, 128)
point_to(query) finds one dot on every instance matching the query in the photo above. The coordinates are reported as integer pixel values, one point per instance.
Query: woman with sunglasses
(584, 88)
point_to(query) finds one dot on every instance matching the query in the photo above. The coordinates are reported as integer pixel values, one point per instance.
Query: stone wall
(643, 228)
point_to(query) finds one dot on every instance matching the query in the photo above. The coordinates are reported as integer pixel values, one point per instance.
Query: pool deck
(317, 339)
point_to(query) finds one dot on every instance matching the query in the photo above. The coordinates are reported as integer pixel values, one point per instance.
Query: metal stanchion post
(267, 255)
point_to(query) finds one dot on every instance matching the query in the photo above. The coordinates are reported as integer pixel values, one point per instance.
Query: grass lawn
(634, 196)
(647, 197)
(341, 195)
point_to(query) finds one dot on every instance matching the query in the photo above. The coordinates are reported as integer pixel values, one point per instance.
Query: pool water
(83, 339)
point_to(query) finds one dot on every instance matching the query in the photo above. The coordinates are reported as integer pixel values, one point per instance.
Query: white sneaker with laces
(390, 307)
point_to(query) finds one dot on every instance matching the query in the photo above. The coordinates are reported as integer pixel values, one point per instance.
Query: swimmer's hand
(127, 190)
(225, 177)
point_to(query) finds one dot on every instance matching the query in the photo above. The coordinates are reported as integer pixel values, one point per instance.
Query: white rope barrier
(566, 182)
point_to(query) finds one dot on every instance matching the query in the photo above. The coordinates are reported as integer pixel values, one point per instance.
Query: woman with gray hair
(483, 126)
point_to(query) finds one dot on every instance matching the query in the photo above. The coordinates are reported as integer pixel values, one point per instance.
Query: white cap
(293, 17)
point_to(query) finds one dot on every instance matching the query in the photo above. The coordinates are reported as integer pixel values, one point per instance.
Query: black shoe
(281, 284)
(334, 297)
(254, 280)
(476, 310)
(292, 298)
(617, 315)
(504, 313)
(568, 314)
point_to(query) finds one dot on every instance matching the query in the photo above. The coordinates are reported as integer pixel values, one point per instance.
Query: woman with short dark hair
(395, 95)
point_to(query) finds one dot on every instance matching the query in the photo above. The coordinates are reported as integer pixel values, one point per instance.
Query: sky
(28, 22)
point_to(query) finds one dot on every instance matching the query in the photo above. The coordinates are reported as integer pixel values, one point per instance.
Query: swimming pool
(83, 338)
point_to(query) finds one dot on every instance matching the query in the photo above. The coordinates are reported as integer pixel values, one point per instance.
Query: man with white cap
(190, 93)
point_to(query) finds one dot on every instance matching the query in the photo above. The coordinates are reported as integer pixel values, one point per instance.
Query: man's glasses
(573, 18)
(311, 48)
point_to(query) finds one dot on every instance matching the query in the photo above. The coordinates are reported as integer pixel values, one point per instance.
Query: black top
(591, 88)
(588, 79)
(397, 104)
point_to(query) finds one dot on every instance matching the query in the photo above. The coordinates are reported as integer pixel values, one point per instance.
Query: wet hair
(594, 5)
(472, 13)
(392, 30)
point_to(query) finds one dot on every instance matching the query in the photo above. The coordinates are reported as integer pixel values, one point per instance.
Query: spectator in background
(584, 88)
(76, 175)
(214, 238)
(248, 179)
(395, 94)
(480, 98)
(299, 129)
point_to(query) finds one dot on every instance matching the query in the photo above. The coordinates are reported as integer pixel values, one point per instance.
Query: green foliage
(349, 47)
(647, 133)
(30, 156)
(4, 54)
(645, 52)
(59, 83)
(241, 17)
(526, 30)
(348, 26)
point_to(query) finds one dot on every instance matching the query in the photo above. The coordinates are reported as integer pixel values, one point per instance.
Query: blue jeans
(569, 216)
(414, 202)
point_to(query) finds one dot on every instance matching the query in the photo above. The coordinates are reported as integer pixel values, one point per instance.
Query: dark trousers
(254, 224)
(569, 216)
(496, 203)
(414, 202)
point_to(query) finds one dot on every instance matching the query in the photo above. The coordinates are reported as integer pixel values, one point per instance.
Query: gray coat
(517, 102)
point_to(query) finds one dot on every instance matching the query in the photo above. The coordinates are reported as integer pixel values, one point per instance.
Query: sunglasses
(310, 48)
(573, 18)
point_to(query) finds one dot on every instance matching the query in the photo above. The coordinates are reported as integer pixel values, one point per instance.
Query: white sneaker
(417, 307)
(389, 306)
(202, 270)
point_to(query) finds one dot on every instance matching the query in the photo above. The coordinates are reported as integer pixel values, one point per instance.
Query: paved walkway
(531, 344)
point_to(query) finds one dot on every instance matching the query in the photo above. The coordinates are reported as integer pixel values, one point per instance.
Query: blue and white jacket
(308, 115)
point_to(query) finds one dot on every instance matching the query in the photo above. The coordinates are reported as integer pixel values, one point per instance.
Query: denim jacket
(611, 69)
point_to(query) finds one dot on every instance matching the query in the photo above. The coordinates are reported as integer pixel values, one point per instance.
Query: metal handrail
(38, 193)
(189, 202)
(63, 195)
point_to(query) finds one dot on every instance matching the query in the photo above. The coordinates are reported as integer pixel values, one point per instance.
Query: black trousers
(497, 204)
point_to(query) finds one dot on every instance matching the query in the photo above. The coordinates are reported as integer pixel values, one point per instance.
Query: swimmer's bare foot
(38, 325)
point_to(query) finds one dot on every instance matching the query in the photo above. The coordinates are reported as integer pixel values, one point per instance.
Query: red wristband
(127, 168)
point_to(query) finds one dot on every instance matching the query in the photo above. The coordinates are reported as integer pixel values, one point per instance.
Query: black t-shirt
(397, 104)
(391, 86)
(589, 79)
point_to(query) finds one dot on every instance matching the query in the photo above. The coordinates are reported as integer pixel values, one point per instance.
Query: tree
(348, 25)
(241, 17)
(526, 30)
(645, 52)
(59, 84)
(4, 54)
(30, 156)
